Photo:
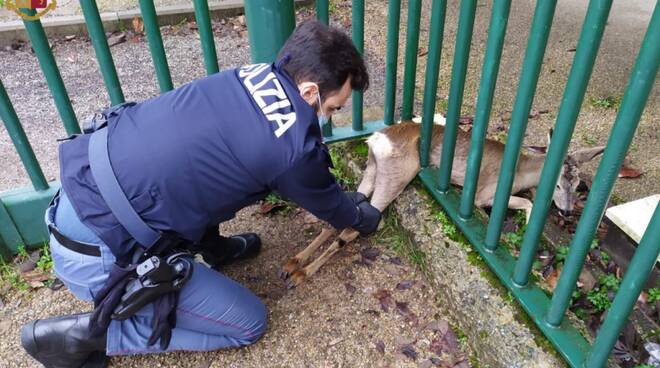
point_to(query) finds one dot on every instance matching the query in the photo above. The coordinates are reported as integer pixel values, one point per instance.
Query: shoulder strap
(106, 181)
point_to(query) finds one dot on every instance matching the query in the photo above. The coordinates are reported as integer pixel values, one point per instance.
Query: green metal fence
(270, 22)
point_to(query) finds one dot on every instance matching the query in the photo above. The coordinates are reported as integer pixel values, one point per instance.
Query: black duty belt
(76, 246)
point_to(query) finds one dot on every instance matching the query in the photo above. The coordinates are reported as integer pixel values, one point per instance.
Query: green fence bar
(578, 79)
(391, 59)
(531, 69)
(44, 54)
(155, 40)
(458, 72)
(322, 11)
(627, 120)
(568, 341)
(436, 29)
(103, 55)
(358, 40)
(639, 270)
(410, 68)
(496, 32)
(203, 20)
(270, 22)
(18, 137)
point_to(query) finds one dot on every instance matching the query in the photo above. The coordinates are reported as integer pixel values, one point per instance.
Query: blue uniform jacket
(192, 157)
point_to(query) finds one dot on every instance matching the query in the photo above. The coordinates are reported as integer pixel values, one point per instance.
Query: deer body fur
(393, 162)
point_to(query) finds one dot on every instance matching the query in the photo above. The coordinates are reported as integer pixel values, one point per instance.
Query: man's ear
(309, 92)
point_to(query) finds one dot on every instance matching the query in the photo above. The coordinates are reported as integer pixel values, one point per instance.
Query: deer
(393, 162)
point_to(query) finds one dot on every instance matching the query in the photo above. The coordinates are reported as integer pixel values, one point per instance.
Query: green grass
(399, 240)
(45, 262)
(284, 206)
(599, 295)
(122, 26)
(586, 139)
(340, 154)
(10, 276)
(654, 295)
(609, 102)
(333, 7)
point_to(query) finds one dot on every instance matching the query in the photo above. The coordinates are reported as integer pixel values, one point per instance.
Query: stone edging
(497, 337)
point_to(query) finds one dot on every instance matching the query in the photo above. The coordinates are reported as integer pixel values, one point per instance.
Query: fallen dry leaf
(36, 284)
(350, 288)
(403, 310)
(436, 346)
(436, 361)
(552, 279)
(409, 351)
(138, 24)
(116, 39)
(385, 299)
(629, 172)
(396, 260)
(267, 207)
(380, 347)
(370, 253)
(35, 275)
(405, 284)
(447, 343)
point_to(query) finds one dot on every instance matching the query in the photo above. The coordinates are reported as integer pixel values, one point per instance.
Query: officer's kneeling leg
(214, 312)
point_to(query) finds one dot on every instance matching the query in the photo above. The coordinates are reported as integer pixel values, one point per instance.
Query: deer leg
(299, 259)
(368, 182)
(515, 203)
(519, 203)
(391, 180)
(346, 236)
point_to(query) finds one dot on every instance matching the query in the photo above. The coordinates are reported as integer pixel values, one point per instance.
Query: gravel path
(333, 320)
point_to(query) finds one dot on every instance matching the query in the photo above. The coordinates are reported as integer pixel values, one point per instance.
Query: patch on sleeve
(267, 92)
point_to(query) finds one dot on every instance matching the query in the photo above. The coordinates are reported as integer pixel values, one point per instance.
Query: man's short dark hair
(326, 56)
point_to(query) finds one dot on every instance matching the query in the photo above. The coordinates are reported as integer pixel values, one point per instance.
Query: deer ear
(587, 154)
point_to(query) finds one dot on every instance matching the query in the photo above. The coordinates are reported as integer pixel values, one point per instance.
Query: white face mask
(323, 119)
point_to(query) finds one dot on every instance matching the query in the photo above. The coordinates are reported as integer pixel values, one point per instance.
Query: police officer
(188, 160)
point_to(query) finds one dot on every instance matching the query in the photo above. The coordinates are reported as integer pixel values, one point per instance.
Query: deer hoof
(296, 279)
(289, 268)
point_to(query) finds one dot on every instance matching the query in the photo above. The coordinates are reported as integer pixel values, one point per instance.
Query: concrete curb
(75, 24)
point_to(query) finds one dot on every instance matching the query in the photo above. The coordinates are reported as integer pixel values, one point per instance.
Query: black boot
(239, 247)
(218, 250)
(64, 342)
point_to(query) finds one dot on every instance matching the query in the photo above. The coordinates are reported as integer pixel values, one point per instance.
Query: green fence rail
(269, 24)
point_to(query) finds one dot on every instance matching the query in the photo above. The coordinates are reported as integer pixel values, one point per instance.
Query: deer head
(565, 192)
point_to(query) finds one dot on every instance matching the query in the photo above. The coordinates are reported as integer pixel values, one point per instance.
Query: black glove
(368, 218)
(356, 197)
